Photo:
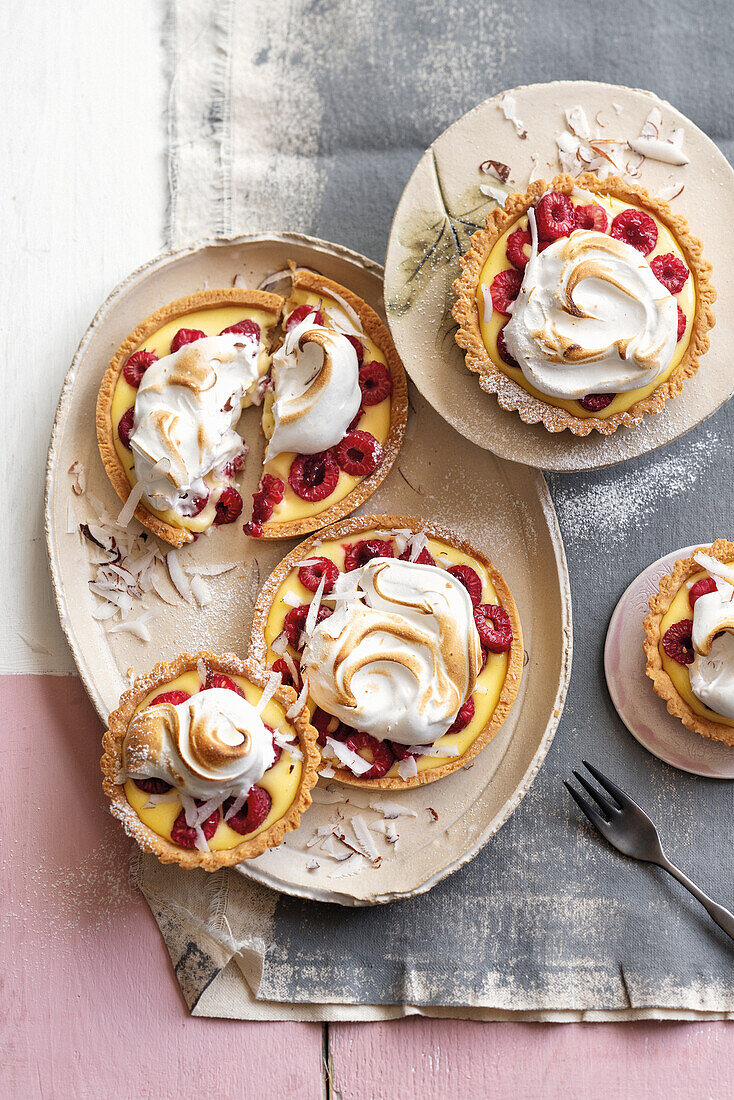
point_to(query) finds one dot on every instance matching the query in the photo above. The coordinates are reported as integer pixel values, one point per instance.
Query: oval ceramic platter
(502, 507)
(442, 206)
(643, 713)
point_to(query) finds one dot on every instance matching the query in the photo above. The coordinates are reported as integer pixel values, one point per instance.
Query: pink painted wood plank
(91, 1007)
(418, 1059)
(89, 996)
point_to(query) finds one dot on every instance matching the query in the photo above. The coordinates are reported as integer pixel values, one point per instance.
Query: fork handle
(717, 912)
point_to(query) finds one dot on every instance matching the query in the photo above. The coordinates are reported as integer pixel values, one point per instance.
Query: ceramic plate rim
(561, 569)
(520, 425)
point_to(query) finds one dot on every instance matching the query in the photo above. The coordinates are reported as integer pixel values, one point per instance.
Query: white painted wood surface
(83, 201)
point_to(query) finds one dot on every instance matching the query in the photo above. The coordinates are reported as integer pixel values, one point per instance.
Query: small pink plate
(642, 712)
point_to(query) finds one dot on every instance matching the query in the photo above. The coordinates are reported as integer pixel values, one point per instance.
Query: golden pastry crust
(258, 647)
(303, 279)
(669, 587)
(512, 396)
(165, 849)
(205, 299)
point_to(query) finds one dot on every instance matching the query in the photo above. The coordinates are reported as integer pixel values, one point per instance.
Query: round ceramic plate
(643, 713)
(502, 507)
(442, 206)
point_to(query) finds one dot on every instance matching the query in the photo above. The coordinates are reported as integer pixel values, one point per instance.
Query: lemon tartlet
(169, 403)
(209, 761)
(335, 415)
(609, 300)
(406, 640)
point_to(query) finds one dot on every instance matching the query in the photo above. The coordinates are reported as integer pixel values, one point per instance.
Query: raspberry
(310, 575)
(253, 813)
(359, 454)
(502, 350)
(682, 323)
(219, 680)
(314, 477)
(678, 642)
(591, 217)
(424, 558)
(670, 271)
(637, 228)
(701, 588)
(327, 726)
(400, 752)
(286, 676)
(270, 492)
(195, 505)
(359, 553)
(172, 697)
(125, 426)
(358, 347)
(494, 627)
(228, 507)
(375, 382)
(137, 365)
(300, 313)
(470, 579)
(485, 656)
(186, 837)
(382, 757)
(186, 336)
(595, 402)
(246, 327)
(555, 216)
(295, 621)
(235, 465)
(517, 242)
(464, 717)
(360, 413)
(152, 785)
(505, 288)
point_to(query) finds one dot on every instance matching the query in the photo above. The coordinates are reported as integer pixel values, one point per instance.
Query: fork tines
(609, 809)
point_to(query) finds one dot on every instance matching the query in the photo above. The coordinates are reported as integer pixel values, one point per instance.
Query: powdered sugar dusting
(614, 505)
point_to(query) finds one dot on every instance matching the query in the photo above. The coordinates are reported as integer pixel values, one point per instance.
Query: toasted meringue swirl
(712, 672)
(213, 744)
(185, 412)
(317, 395)
(399, 655)
(712, 677)
(591, 317)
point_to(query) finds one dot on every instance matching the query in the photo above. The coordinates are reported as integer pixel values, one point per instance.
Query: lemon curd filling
(210, 322)
(489, 683)
(680, 608)
(281, 781)
(497, 261)
(375, 419)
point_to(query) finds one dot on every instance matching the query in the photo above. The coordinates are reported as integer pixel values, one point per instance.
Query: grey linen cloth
(310, 116)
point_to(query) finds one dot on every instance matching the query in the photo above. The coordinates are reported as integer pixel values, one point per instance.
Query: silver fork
(630, 831)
